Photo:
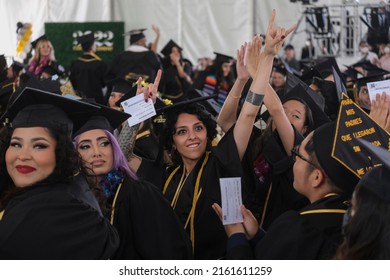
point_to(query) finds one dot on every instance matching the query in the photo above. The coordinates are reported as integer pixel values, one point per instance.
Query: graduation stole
(95, 57)
(197, 192)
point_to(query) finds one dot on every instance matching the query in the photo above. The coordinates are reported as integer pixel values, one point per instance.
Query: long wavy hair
(37, 53)
(68, 162)
(367, 235)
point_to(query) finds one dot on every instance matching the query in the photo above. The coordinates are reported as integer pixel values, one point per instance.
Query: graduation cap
(321, 67)
(7, 88)
(17, 66)
(195, 97)
(340, 174)
(35, 42)
(168, 48)
(292, 81)
(280, 69)
(53, 69)
(377, 179)
(371, 69)
(353, 122)
(136, 35)
(105, 118)
(361, 82)
(300, 93)
(87, 38)
(289, 47)
(222, 58)
(34, 107)
(122, 85)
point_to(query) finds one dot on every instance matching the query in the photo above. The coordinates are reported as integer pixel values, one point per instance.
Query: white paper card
(138, 109)
(231, 200)
(378, 87)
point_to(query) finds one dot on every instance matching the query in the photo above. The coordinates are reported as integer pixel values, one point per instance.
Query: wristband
(253, 98)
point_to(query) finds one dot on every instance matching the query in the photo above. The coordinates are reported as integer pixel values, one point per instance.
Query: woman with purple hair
(147, 226)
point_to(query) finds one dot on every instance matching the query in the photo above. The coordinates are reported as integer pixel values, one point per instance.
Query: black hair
(87, 46)
(193, 109)
(68, 162)
(366, 236)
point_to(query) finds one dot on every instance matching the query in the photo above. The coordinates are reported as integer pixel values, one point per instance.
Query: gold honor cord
(95, 57)
(318, 211)
(266, 205)
(1, 215)
(142, 134)
(114, 202)
(179, 188)
(197, 192)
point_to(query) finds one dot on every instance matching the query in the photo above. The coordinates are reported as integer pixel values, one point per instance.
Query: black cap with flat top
(377, 179)
(300, 93)
(105, 118)
(35, 42)
(222, 58)
(122, 85)
(168, 48)
(135, 35)
(34, 107)
(352, 123)
(87, 38)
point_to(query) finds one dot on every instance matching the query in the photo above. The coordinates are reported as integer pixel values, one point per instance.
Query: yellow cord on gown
(197, 192)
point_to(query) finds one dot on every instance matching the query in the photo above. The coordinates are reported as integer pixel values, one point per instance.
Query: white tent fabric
(199, 26)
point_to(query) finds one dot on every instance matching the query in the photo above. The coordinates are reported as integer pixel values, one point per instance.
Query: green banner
(109, 39)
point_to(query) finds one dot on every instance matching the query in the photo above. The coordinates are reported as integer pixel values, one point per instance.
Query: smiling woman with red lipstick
(46, 210)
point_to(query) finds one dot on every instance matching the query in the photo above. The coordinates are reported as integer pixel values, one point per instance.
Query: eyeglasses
(295, 153)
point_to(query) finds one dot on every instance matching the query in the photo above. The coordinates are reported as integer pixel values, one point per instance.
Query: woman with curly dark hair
(46, 209)
(192, 183)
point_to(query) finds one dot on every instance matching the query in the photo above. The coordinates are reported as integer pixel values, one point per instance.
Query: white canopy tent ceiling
(199, 26)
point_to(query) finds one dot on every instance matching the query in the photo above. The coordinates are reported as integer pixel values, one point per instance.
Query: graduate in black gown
(192, 183)
(268, 163)
(177, 72)
(137, 61)
(314, 232)
(148, 227)
(46, 211)
(88, 72)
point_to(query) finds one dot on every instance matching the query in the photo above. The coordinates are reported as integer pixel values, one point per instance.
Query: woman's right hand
(149, 91)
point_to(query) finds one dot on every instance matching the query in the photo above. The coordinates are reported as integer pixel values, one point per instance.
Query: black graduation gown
(312, 233)
(206, 229)
(277, 194)
(131, 65)
(87, 75)
(47, 221)
(146, 224)
(172, 86)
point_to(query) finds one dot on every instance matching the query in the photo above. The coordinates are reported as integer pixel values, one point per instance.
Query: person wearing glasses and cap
(314, 232)
(47, 211)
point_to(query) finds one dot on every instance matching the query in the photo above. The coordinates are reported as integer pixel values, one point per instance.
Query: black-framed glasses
(295, 153)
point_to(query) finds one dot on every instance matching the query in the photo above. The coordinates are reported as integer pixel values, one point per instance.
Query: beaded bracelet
(253, 98)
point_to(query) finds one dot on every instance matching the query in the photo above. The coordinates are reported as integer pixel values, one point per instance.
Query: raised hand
(242, 73)
(275, 36)
(380, 110)
(253, 54)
